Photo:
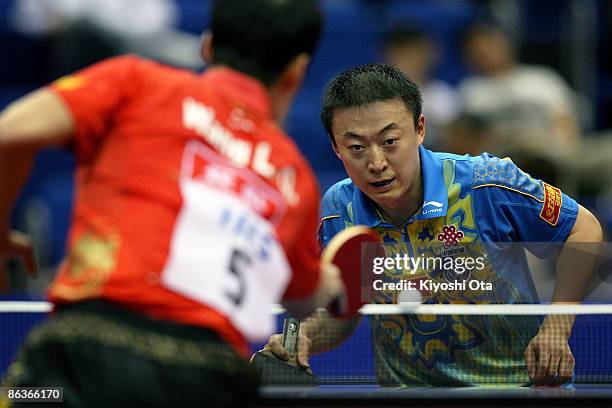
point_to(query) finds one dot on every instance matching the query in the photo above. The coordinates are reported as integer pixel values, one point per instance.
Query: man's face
(378, 145)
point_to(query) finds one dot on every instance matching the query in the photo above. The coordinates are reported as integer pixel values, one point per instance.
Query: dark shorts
(105, 356)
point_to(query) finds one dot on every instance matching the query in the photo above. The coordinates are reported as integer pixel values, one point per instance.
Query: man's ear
(286, 85)
(207, 47)
(335, 147)
(294, 73)
(420, 130)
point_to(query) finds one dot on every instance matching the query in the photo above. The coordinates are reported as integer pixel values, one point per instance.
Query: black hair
(260, 37)
(367, 84)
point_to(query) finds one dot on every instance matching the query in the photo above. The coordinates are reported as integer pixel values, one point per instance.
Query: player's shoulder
(463, 159)
(493, 172)
(156, 71)
(123, 60)
(456, 168)
(336, 209)
(337, 197)
(167, 71)
(129, 61)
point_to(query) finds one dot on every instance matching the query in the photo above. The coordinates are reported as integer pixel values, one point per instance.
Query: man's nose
(377, 161)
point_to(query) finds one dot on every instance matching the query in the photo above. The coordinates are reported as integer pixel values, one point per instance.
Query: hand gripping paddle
(274, 371)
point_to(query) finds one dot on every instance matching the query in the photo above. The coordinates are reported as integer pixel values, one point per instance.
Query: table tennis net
(460, 345)
(408, 344)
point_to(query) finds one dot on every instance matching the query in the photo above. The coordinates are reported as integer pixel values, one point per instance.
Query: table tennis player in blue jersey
(440, 205)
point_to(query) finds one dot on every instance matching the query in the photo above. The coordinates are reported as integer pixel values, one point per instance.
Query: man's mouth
(382, 183)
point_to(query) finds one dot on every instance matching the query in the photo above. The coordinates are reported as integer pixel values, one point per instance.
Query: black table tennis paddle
(274, 371)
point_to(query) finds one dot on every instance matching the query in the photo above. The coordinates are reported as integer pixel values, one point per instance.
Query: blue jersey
(472, 208)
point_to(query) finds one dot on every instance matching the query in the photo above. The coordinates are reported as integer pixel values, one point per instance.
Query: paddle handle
(291, 330)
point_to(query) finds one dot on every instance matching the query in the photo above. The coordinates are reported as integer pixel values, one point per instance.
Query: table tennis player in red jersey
(194, 212)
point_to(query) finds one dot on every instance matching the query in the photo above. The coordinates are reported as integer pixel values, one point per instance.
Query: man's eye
(390, 142)
(356, 148)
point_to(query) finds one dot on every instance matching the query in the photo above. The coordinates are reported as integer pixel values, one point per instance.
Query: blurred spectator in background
(466, 135)
(87, 31)
(522, 106)
(416, 54)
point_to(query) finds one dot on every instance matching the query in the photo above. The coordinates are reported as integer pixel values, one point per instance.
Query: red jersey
(191, 204)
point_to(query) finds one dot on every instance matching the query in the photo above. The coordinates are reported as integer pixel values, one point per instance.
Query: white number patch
(224, 251)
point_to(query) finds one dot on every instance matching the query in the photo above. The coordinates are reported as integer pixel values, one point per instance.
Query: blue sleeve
(331, 217)
(511, 206)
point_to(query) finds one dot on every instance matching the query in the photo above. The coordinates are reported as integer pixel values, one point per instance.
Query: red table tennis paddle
(353, 251)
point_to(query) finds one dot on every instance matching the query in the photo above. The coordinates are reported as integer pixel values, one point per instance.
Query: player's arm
(320, 332)
(575, 264)
(326, 332)
(329, 288)
(36, 121)
(76, 110)
(313, 284)
(514, 207)
(548, 356)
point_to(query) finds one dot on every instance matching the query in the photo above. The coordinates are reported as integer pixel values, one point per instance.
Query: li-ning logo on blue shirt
(438, 207)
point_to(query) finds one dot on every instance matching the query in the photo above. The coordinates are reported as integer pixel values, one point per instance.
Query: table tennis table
(580, 395)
